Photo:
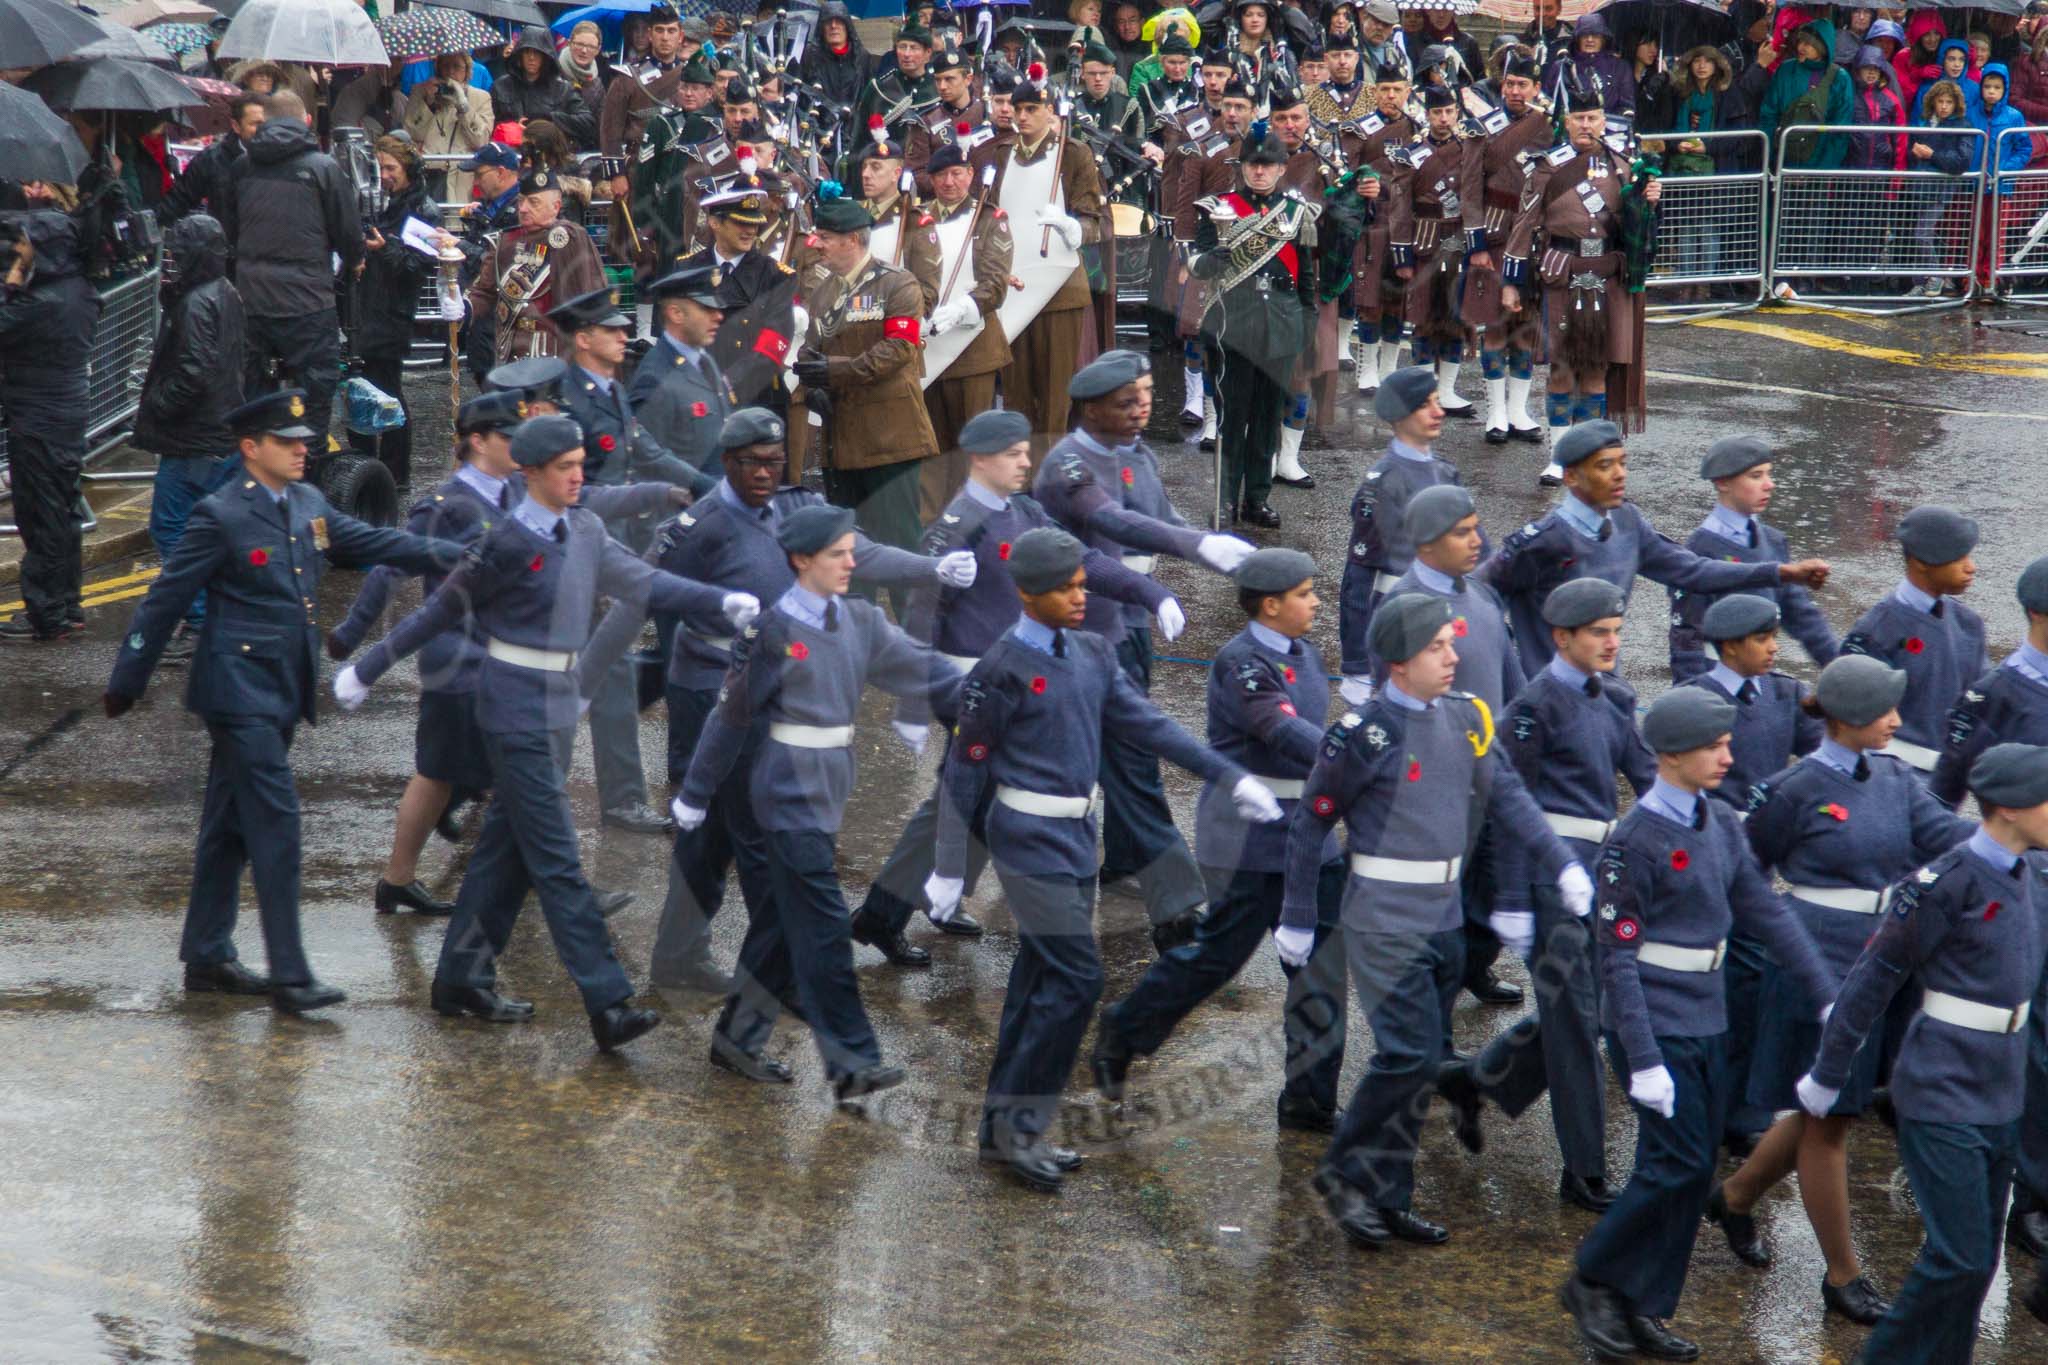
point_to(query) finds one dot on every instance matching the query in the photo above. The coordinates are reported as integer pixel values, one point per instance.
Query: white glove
(1224, 553)
(798, 329)
(1515, 928)
(1577, 889)
(350, 690)
(943, 895)
(1355, 689)
(1172, 620)
(915, 736)
(687, 817)
(740, 608)
(1294, 944)
(790, 383)
(1654, 1089)
(959, 313)
(1067, 226)
(1255, 801)
(1815, 1098)
(958, 568)
(1825, 1011)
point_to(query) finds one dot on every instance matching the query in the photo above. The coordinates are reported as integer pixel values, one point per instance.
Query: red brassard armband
(772, 344)
(903, 329)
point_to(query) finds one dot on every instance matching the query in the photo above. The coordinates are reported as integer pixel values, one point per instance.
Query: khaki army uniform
(968, 385)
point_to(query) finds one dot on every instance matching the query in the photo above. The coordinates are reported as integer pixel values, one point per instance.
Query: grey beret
(1936, 534)
(1107, 373)
(1856, 689)
(1405, 624)
(2033, 589)
(1687, 718)
(1436, 509)
(1277, 569)
(539, 439)
(1043, 558)
(1732, 455)
(1581, 602)
(1403, 391)
(1739, 614)
(986, 433)
(750, 427)
(1586, 440)
(810, 529)
(2014, 776)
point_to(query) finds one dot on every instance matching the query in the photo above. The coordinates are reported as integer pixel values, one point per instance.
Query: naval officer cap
(1936, 535)
(2033, 587)
(598, 308)
(501, 410)
(2011, 776)
(1044, 558)
(1436, 509)
(1732, 455)
(1274, 570)
(1687, 718)
(540, 439)
(994, 431)
(1405, 624)
(1586, 440)
(273, 414)
(1581, 602)
(1403, 391)
(750, 427)
(1738, 615)
(1856, 689)
(1106, 374)
(810, 529)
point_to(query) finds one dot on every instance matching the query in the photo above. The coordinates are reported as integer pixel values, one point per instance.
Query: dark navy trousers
(250, 819)
(1742, 977)
(700, 858)
(898, 889)
(1055, 980)
(1961, 1174)
(1139, 840)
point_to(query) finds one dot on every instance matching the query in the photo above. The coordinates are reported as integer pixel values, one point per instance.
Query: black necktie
(1606, 528)
(1862, 773)
(1059, 644)
(1747, 692)
(1458, 583)
(1592, 687)
(562, 531)
(1935, 610)
(1699, 812)
(831, 615)
(505, 498)
(1751, 524)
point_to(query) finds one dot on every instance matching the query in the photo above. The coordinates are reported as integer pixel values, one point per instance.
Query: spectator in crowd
(2030, 80)
(1653, 82)
(635, 44)
(834, 60)
(1948, 152)
(533, 87)
(1591, 56)
(2008, 41)
(387, 295)
(1808, 88)
(203, 187)
(1889, 39)
(1953, 60)
(372, 102)
(1126, 37)
(1980, 53)
(1993, 116)
(1704, 97)
(1876, 104)
(583, 63)
(1441, 26)
(449, 116)
(1547, 32)
(1157, 29)
(1851, 34)
(268, 78)
(1919, 65)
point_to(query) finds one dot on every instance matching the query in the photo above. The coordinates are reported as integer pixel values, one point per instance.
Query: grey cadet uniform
(1728, 539)
(2008, 705)
(1939, 644)
(1380, 549)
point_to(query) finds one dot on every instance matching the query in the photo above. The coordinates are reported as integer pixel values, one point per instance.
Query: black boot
(1653, 1338)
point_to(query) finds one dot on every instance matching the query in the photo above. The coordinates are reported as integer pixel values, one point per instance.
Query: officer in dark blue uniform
(1268, 697)
(1735, 531)
(2009, 704)
(1674, 877)
(536, 378)
(257, 549)
(1968, 927)
(678, 392)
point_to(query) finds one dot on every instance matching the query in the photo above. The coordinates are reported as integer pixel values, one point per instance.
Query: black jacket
(388, 290)
(513, 97)
(195, 376)
(46, 328)
(203, 188)
(840, 76)
(291, 210)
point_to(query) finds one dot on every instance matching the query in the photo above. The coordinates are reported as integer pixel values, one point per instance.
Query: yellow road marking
(96, 594)
(1971, 364)
(1709, 381)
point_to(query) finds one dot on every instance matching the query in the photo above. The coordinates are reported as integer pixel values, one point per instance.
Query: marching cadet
(677, 391)
(1443, 524)
(1426, 247)
(1496, 166)
(1568, 733)
(1033, 715)
(985, 520)
(981, 230)
(1968, 929)
(803, 668)
(1675, 878)
(864, 358)
(1740, 468)
(1257, 247)
(1595, 532)
(1840, 826)
(1593, 330)
(1410, 774)
(2008, 705)
(537, 379)
(1372, 144)
(533, 268)
(957, 116)
(1267, 701)
(257, 548)
(900, 94)
(1922, 629)
(759, 294)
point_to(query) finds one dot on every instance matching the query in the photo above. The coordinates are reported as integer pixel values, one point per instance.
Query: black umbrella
(1678, 25)
(35, 144)
(518, 11)
(38, 32)
(107, 83)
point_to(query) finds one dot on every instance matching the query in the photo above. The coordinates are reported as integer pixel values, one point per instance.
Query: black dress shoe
(1354, 1215)
(962, 925)
(1858, 1300)
(1496, 436)
(1409, 1227)
(609, 903)
(1653, 1338)
(867, 1081)
(700, 973)
(1527, 435)
(224, 978)
(1306, 1118)
(639, 818)
(1259, 514)
(485, 1004)
(1109, 1065)
(1036, 1165)
(1740, 1230)
(1597, 1311)
(2028, 1232)
(305, 997)
(1589, 1192)
(412, 896)
(1491, 990)
(870, 929)
(727, 1055)
(621, 1024)
(1305, 481)
(1455, 1084)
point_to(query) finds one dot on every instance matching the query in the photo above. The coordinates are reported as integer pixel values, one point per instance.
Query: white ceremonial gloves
(1515, 928)
(943, 895)
(1255, 801)
(1224, 553)
(1067, 226)
(1577, 890)
(959, 313)
(798, 329)
(958, 568)
(687, 817)
(1294, 944)
(1172, 620)
(914, 737)
(1654, 1089)
(1815, 1098)
(350, 690)
(740, 608)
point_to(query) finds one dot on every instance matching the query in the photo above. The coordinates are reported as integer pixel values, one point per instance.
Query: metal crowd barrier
(1868, 241)
(1710, 234)
(2019, 237)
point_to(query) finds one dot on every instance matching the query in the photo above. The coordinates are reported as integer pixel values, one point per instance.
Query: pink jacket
(1913, 71)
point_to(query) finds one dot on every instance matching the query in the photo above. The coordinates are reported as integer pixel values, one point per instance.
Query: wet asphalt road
(197, 1179)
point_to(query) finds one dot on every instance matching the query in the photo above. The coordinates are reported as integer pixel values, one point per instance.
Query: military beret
(945, 159)
(951, 59)
(1043, 558)
(1107, 373)
(540, 439)
(598, 308)
(750, 427)
(1403, 391)
(1274, 569)
(842, 215)
(987, 433)
(1581, 602)
(1436, 509)
(662, 14)
(1586, 440)
(1285, 97)
(881, 149)
(501, 410)
(698, 71)
(2011, 776)
(1028, 92)
(1096, 52)
(1262, 148)
(913, 32)
(810, 529)
(1215, 56)
(282, 413)
(1687, 718)
(1936, 534)
(1236, 89)
(534, 182)
(2033, 587)
(1739, 614)
(1176, 45)
(1856, 689)
(1405, 624)
(537, 376)
(1732, 455)
(753, 130)
(1436, 97)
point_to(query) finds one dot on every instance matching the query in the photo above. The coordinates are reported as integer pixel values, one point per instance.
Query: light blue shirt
(1837, 756)
(1080, 434)
(491, 487)
(1433, 580)
(603, 385)
(1582, 518)
(1725, 522)
(1728, 678)
(1915, 598)
(536, 518)
(1399, 447)
(1568, 675)
(1036, 634)
(1402, 699)
(987, 497)
(1673, 803)
(804, 605)
(693, 354)
(766, 515)
(2029, 661)
(1991, 853)
(1271, 639)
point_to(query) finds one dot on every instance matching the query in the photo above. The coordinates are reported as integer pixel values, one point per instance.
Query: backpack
(1810, 107)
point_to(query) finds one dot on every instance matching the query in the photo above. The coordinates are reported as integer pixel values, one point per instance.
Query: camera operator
(449, 115)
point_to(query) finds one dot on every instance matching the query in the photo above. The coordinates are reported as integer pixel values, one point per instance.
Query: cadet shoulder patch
(1525, 721)
(1339, 735)
(1759, 793)
(1251, 677)
(1856, 642)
